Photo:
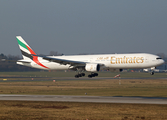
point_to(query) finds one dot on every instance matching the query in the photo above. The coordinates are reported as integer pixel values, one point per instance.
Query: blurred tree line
(8, 62)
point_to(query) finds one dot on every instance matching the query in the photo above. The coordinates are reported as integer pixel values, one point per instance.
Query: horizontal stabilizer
(24, 61)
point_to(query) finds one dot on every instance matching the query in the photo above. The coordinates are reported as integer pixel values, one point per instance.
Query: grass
(17, 110)
(110, 87)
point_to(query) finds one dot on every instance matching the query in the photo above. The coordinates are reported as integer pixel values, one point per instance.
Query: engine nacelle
(92, 67)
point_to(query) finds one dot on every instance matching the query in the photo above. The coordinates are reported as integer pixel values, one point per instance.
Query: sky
(84, 26)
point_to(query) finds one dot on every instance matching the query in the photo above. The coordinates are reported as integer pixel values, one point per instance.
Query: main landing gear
(79, 75)
(93, 75)
(83, 74)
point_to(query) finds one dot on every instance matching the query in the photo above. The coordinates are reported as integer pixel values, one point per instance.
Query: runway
(92, 99)
(27, 79)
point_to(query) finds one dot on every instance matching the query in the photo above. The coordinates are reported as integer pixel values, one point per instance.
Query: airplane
(89, 63)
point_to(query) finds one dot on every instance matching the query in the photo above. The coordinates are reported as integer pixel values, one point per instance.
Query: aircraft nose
(163, 61)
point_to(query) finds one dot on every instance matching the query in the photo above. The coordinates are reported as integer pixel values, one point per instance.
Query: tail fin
(26, 50)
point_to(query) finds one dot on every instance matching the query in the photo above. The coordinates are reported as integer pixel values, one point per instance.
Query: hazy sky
(84, 26)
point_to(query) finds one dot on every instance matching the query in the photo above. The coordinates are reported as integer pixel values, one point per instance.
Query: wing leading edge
(63, 61)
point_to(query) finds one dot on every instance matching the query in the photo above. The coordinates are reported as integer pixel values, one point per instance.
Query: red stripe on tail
(35, 58)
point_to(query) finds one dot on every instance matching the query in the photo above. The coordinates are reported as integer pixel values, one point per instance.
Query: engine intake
(92, 67)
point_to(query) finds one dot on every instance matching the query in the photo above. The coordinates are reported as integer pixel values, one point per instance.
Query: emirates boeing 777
(90, 63)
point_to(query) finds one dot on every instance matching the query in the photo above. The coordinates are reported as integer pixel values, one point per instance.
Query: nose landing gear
(152, 73)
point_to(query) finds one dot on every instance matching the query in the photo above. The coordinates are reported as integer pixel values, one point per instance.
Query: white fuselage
(109, 61)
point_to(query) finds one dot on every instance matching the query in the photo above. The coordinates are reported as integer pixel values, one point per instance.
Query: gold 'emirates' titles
(126, 60)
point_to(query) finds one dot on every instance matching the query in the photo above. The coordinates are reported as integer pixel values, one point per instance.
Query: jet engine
(92, 67)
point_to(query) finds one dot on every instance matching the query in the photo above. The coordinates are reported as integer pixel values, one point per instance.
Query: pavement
(26, 79)
(91, 99)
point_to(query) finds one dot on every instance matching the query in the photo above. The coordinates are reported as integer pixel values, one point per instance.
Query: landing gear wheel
(83, 74)
(95, 74)
(90, 76)
(79, 75)
(76, 76)
(152, 73)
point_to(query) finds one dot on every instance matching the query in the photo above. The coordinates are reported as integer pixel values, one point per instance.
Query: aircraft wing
(63, 61)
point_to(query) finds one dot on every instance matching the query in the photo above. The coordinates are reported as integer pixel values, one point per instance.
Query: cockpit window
(158, 58)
